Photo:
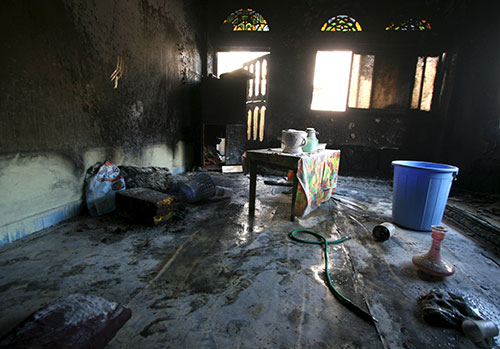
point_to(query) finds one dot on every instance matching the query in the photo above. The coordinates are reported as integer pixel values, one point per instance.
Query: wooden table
(276, 158)
(273, 158)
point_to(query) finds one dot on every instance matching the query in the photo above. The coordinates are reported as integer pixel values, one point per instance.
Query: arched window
(247, 20)
(341, 23)
(410, 25)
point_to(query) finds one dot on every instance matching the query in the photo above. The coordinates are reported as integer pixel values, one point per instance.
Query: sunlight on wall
(40, 190)
(331, 80)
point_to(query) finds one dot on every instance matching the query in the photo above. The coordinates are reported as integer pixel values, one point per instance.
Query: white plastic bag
(102, 181)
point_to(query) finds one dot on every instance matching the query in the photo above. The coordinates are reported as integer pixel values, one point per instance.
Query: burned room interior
(261, 174)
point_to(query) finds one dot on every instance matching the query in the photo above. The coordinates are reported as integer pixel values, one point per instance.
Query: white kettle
(292, 141)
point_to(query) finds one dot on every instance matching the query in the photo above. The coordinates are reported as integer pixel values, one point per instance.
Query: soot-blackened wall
(471, 138)
(60, 111)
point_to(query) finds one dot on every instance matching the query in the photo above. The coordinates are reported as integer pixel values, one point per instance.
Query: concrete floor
(217, 279)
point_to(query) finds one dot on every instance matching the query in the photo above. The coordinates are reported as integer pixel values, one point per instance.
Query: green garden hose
(341, 298)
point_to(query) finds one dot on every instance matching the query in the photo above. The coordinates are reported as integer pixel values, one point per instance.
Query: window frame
(433, 49)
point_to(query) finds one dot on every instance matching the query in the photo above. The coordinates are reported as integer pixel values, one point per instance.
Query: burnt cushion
(72, 321)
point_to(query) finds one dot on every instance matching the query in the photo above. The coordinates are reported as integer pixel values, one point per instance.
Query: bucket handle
(455, 176)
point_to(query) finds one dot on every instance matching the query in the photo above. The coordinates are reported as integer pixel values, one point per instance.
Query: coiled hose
(341, 298)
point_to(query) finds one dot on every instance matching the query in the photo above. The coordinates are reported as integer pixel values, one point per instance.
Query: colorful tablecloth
(317, 179)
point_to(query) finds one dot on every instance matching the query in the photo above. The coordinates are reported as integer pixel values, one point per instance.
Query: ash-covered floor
(217, 279)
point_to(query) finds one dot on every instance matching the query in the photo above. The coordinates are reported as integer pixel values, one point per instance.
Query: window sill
(375, 113)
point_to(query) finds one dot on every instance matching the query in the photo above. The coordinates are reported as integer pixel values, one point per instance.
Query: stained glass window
(410, 25)
(341, 23)
(247, 20)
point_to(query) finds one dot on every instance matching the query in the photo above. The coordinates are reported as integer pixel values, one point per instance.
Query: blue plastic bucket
(420, 193)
